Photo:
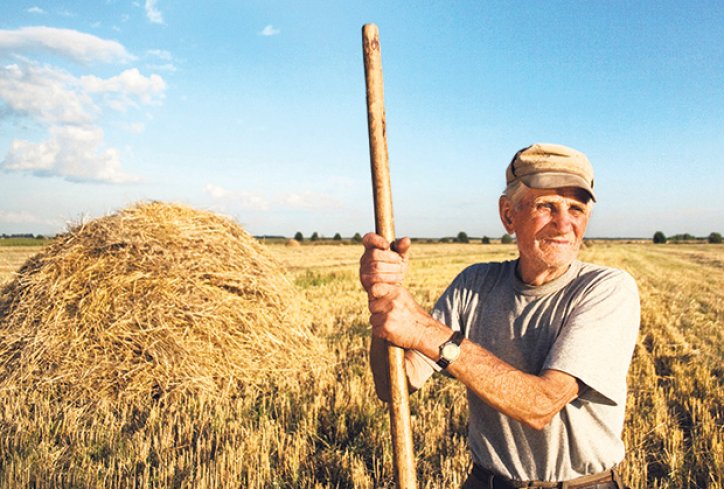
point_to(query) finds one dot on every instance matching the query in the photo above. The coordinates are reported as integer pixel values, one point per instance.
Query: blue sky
(257, 110)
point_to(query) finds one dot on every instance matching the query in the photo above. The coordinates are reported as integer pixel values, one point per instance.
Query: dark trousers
(481, 478)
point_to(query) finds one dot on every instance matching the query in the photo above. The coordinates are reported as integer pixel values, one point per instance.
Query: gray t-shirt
(583, 323)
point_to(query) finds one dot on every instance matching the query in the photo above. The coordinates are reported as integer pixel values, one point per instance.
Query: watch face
(450, 352)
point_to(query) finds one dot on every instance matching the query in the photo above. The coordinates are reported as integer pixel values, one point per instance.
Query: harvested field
(330, 431)
(11, 258)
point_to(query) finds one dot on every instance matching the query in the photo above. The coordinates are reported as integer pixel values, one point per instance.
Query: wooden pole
(400, 423)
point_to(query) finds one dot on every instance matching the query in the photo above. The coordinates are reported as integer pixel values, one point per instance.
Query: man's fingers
(381, 264)
(368, 280)
(375, 241)
(381, 267)
(379, 290)
(372, 241)
(373, 270)
(376, 254)
(402, 246)
(379, 306)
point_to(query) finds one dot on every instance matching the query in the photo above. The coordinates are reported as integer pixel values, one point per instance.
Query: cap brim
(557, 180)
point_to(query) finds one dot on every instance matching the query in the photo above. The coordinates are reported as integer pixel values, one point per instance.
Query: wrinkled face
(549, 225)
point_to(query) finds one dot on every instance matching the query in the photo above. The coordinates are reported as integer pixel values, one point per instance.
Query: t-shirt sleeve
(448, 309)
(597, 340)
(453, 303)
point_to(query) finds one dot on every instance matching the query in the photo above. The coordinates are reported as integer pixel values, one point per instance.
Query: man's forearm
(530, 399)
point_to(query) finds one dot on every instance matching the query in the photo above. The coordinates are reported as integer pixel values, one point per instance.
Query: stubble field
(329, 430)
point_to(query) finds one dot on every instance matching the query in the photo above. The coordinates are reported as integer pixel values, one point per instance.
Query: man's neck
(539, 275)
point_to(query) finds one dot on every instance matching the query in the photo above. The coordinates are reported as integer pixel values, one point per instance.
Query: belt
(603, 480)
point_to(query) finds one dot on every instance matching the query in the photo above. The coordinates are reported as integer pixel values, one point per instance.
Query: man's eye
(544, 207)
(577, 210)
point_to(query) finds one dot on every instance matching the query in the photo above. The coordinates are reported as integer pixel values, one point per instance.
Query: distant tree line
(299, 236)
(462, 237)
(23, 236)
(660, 238)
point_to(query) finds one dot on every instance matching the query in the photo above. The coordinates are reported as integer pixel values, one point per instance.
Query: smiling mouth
(557, 241)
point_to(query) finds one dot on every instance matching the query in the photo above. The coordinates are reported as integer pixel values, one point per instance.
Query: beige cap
(544, 165)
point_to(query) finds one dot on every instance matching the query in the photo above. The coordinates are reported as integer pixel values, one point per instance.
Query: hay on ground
(293, 243)
(153, 300)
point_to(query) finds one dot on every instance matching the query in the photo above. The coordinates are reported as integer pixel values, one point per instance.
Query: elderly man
(542, 343)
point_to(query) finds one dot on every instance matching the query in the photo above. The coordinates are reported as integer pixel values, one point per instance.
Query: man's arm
(531, 399)
(398, 319)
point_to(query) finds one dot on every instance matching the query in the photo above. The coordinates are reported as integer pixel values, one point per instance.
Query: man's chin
(560, 258)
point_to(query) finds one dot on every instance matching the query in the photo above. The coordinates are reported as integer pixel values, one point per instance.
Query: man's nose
(562, 220)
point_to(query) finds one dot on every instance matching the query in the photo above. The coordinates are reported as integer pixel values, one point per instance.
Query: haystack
(155, 300)
(293, 243)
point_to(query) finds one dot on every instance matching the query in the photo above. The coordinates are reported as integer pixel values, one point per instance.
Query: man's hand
(380, 263)
(396, 317)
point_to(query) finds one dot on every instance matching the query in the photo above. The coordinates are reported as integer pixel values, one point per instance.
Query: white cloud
(309, 200)
(136, 127)
(122, 89)
(73, 152)
(73, 44)
(215, 191)
(36, 10)
(152, 13)
(20, 217)
(46, 94)
(52, 96)
(243, 200)
(269, 30)
(72, 109)
(160, 54)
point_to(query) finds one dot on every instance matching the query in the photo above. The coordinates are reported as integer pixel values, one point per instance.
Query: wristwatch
(450, 350)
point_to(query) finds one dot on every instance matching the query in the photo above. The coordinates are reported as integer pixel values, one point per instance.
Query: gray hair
(515, 192)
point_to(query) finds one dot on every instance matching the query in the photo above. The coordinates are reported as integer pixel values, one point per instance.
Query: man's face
(549, 225)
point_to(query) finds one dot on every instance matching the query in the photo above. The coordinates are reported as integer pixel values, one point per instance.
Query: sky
(256, 110)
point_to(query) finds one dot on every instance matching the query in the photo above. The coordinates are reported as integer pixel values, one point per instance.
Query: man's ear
(505, 207)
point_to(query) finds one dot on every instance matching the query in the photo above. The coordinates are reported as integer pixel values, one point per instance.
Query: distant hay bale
(155, 300)
(293, 243)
